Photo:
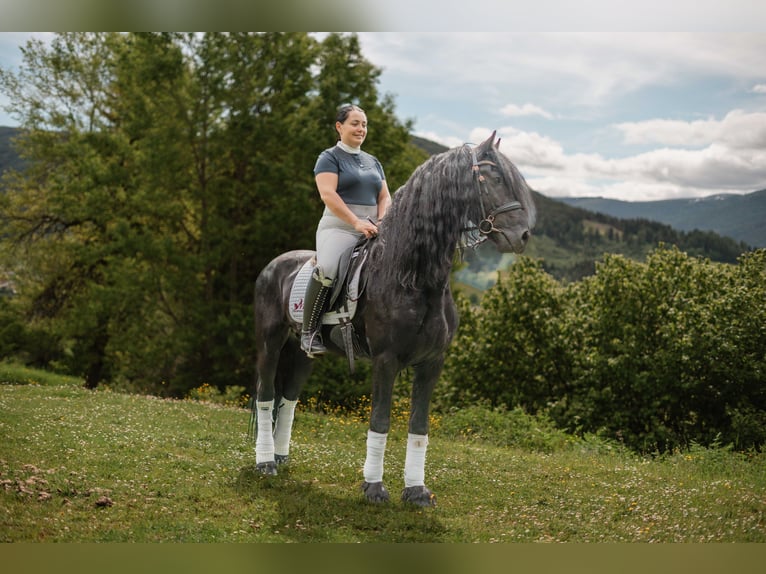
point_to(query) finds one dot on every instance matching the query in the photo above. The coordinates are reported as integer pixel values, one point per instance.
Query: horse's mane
(429, 213)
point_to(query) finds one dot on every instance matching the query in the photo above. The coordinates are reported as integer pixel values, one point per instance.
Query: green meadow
(102, 466)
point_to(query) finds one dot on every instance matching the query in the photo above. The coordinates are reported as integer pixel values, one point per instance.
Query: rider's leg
(313, 307)
(333, 237)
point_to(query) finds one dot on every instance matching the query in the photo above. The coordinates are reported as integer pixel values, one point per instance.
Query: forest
(162, 172)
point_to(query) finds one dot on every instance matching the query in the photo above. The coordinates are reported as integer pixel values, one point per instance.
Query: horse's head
(507, 209)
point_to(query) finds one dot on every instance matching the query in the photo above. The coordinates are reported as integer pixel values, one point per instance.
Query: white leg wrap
(376, 449)
(284, 427)
(415, 460)
(264, 440)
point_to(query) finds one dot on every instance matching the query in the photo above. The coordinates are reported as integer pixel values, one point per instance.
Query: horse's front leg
(384, 371)
(415, 490)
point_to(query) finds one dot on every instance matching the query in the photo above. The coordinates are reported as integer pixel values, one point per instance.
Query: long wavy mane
(428, 214)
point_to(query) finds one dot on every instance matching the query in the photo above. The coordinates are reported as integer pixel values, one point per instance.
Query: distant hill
(570, 239)
(741, 217)
(430, 147)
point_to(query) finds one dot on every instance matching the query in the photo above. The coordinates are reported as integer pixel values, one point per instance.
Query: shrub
(656, 355)
(233, 395)
(510, 351)
(665, 351)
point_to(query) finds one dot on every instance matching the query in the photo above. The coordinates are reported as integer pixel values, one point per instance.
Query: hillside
(741, 217)
(570, 239)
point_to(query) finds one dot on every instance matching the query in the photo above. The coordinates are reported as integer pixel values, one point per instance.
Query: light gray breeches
(334, 236)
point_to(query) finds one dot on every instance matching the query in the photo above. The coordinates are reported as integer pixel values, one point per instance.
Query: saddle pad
(347, 303)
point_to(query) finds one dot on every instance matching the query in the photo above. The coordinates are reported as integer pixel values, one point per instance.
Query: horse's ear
(497, 144)
(487, 144)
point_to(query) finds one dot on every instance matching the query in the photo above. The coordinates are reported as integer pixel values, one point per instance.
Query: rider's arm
(384, 200)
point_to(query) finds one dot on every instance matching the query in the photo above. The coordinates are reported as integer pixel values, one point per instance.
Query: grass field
(100, 466)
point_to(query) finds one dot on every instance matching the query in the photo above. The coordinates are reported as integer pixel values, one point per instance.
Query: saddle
(342, 301)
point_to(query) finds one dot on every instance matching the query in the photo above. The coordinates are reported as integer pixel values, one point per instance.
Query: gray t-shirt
(360, 175)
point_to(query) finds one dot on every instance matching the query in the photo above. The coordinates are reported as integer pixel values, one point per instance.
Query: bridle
(487, 224)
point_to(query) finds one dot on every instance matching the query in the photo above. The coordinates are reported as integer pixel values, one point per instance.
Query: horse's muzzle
(507, 241)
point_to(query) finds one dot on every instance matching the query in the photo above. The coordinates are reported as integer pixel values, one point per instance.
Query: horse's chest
(431, 326)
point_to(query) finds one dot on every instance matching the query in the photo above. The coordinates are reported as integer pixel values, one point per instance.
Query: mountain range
(741, 217)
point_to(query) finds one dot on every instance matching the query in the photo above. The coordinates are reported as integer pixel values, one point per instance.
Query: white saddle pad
(298, 292)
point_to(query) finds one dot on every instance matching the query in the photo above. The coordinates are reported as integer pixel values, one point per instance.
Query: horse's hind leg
(269, 348)
(294, 369)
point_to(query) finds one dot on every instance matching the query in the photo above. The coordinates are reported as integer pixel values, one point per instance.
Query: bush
(233, 395)
(23, 342)
(656, 355)
(509, 351)
(332, 384)
(664, 351)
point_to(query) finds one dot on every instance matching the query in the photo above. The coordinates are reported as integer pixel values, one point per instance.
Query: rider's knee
(319, 275)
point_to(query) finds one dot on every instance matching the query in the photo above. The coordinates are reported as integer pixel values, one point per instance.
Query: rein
(487, 225)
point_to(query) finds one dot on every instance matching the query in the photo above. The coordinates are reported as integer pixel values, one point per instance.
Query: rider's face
(353, 131)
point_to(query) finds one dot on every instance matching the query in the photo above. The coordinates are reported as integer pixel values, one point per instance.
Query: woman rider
(353, 187)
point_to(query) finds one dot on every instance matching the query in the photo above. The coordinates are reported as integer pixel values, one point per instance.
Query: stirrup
(311, 343)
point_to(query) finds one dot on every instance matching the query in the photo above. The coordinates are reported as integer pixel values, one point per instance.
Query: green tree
(510, 351)
(77, 213)
(668, 352)
(163, 172)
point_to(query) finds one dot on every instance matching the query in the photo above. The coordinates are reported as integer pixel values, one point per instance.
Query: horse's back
(277, 277)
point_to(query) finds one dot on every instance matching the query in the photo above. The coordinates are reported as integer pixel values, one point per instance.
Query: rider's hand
(366, 227)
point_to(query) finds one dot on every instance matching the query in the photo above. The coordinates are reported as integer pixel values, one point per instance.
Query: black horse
(406, 315)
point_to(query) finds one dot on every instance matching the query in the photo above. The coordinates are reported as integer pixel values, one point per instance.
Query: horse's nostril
(525, 236)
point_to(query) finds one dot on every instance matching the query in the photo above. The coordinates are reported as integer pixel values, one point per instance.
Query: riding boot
(313, 307)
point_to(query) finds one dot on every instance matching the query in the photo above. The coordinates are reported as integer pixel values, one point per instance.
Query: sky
(619, 115)
(637, 116)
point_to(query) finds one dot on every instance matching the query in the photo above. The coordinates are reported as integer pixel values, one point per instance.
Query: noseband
(487, 225)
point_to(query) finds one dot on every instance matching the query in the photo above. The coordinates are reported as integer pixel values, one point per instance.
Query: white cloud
(733, 161)
(590, 78)
(532, 149)
(513, 110)
(669, 132)
(569, 69)
(738, 130)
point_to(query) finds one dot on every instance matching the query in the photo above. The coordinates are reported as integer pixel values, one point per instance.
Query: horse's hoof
(267, 468)
(281, 459)
(375, 492)
(419, 496)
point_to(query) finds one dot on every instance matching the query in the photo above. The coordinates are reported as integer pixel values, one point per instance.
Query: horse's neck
(439, 276)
